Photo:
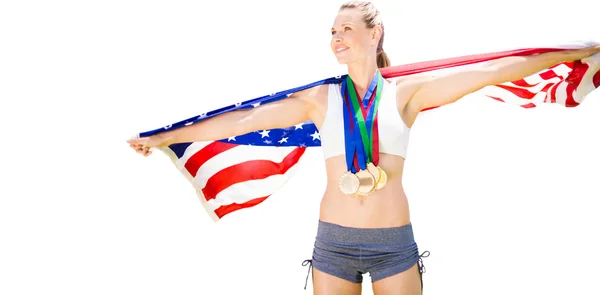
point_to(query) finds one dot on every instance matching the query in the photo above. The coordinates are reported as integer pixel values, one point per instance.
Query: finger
(135, 148)
(135, 140)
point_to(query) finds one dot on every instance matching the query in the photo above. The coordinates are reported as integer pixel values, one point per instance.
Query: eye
(332, 32)
(346, 28)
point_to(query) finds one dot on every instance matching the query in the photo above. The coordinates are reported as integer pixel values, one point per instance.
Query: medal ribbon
(364, 115)
(362, 140)
(352, 142)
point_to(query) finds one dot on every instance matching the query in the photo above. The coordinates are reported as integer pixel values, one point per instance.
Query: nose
(336, 38)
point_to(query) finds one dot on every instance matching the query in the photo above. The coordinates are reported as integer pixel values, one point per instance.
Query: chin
(341, 60)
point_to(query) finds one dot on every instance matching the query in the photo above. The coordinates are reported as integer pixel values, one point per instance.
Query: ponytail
(383, 61)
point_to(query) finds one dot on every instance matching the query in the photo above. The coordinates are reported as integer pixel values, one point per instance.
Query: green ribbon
(367, 137)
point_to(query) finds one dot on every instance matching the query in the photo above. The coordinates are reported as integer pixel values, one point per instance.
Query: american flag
(242, 171)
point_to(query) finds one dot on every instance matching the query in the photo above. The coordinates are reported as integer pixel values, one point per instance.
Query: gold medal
(382, 180)
(375, 172)
(349, 183)
(363, 139)
(366, 182)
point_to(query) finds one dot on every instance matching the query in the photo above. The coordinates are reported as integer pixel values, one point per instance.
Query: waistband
(401, 235)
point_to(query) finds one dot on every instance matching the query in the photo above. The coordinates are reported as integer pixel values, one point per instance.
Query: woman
(364, 223)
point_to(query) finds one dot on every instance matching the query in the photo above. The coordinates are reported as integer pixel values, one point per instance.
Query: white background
(504, 198)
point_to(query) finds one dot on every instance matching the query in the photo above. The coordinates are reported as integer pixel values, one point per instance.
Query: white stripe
(237, 155)
(587, 84)
(561, 93)
(532, 79)
(508, 96)
(245, 191)
(537, 88)
(562, 70)
(190, 151)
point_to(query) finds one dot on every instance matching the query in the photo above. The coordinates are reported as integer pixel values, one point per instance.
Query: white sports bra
(393, 132)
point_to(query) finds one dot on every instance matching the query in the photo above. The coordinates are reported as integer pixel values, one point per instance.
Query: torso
(385, 208)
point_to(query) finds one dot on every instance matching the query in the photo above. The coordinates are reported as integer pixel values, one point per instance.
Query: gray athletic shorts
(348, 252)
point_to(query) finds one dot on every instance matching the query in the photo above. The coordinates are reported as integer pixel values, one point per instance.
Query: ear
(376, 33)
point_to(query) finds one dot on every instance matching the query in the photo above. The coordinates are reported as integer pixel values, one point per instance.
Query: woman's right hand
(144, 145)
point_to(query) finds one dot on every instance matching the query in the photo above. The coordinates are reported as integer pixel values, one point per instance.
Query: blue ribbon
(353, 141)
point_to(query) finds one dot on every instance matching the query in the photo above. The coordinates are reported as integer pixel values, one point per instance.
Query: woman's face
(351, 40)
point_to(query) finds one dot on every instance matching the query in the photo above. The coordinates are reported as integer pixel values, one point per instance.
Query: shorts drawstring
(421, 265)
(425, 254)
(305, 263)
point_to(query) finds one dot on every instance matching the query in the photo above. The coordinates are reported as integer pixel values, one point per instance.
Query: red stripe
(226, 209)
(549, 74)
(570, 101)
(249, 170)
(522, 83)
(199, 158)
(528, 105)
(496, 98)
(419, 67)
(576, 75)
(520, 92)
(545, 89)
(596, 80)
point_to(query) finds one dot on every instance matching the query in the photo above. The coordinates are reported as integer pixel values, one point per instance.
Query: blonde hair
(372, 18)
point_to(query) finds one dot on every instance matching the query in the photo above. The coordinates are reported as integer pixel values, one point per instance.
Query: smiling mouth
(341, 49)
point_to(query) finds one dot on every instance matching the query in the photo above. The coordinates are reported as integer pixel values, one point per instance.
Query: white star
(302, 145)
(168, 127)
(283, 140)
(268, 142)
(237, 104)
(231, 138)
(256, 104)
(202, 115)
(299, 126)
(264, 133)
(290, 94)
(316, 135)
(189, 123)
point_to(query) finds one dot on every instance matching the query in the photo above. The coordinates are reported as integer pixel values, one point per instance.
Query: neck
(362, 74)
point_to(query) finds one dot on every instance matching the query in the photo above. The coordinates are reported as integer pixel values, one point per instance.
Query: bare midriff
(387, 207)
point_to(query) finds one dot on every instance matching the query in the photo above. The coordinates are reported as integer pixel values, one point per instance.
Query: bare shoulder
(406, 87)
(313, 95)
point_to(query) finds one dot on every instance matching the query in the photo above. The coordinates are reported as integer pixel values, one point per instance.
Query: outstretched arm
(438, 91)
(280, 114)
